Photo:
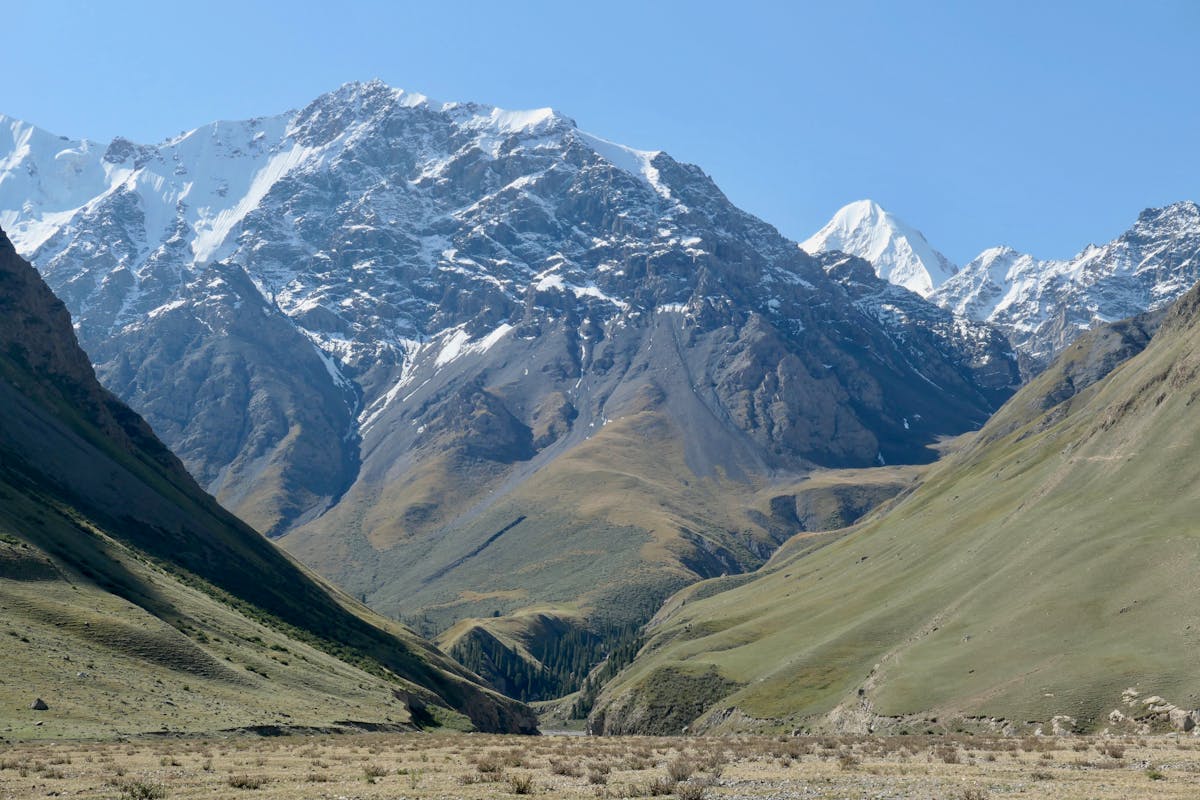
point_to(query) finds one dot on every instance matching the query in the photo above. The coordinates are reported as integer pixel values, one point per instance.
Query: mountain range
(1041, 305)
(516, 384)
(469, 362)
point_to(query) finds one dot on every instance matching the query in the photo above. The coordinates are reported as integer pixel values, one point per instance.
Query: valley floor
(478, 766)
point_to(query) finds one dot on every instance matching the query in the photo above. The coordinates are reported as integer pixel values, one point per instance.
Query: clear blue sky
(1042, 125)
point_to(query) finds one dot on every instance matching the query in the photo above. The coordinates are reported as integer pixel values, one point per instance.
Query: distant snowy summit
(899, 252)
(1041, 305)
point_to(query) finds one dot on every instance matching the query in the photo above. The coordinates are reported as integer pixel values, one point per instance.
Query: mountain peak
(1173, 218)
(376, 88)
(993, 253)
(376, 106)
(862, 209)
(1042, 305)
(899, 252)
(471, 115)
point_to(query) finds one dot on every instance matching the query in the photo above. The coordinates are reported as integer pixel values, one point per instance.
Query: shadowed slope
(97, 506)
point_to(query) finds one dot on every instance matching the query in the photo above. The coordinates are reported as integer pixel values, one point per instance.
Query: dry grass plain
(419, 766)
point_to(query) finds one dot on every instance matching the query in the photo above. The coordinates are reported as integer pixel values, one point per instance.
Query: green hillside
(1045, 567)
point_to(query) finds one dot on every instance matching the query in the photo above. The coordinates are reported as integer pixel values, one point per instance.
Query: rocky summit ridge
(1044, 304)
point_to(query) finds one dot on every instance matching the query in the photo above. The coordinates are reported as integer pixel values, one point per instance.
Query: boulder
(1182, 719)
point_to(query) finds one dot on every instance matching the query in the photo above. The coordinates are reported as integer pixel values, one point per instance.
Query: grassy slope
(186, 546)
(171, 657)
(1040, 572)
(599, 542)
(198, 544)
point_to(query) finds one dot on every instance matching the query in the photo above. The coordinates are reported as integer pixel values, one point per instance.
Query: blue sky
(1041, 125)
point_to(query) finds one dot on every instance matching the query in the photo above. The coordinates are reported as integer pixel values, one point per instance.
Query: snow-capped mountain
(898, 251)
(1043, 305)
(382, 319)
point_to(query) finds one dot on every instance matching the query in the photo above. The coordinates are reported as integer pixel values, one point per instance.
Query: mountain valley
(473, 364)
(523, 390)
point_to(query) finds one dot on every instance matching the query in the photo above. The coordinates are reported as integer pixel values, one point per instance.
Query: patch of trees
(551, 666)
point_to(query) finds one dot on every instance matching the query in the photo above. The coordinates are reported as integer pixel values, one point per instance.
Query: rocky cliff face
(35, 334)
(381, 319)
